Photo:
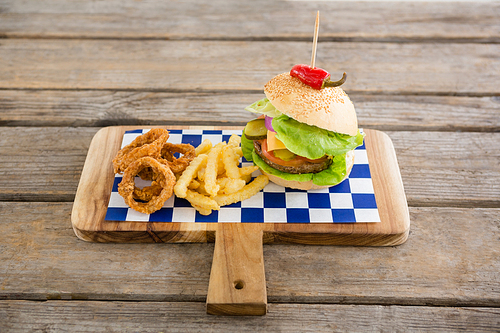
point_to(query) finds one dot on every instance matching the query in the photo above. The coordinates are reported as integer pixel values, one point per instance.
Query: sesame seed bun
(329, 108)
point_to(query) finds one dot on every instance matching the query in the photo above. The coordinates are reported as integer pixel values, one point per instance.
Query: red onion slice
(269, 125)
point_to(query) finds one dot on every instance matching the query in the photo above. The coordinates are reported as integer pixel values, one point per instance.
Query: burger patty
(306, 167)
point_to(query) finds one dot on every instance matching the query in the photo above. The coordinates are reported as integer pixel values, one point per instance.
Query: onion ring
(177, 165)
(164, 177)
(148, 144)
(148, 192)
(180, 164)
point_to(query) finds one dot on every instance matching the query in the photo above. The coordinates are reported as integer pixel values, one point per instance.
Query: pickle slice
(256, 129)
(284, 154)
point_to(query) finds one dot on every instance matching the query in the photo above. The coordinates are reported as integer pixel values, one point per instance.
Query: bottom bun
(309, 185)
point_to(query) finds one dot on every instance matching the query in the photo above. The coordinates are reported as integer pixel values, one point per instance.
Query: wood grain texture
(57, 316)
(94, 108)
(95, 185)
(450, 259)
(237, 280)
(423, 72)
(239, 20)
(177, 66)
(54, 160)
(477, 163)
(437, 168)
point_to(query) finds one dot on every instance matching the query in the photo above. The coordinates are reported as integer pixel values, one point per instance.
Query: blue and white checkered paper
(351, 201)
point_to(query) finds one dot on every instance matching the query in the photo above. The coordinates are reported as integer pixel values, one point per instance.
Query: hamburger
(304, 137)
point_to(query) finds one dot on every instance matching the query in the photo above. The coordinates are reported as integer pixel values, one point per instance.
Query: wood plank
(52, 316)
(237, 279)
(456, 251)
(42, 164)
(239, 20)
(426, 160)
(438, 168)
(114, 108)
(175, 66)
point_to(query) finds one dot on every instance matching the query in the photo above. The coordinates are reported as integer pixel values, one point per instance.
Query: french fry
(248, 170)
(238, 151)
(201, 189)
(202, 210)
(202, 203)
(204, 147)
(180, 188)
(220, 166)
(232, 186)
(246, 178)
(230, 160)
(212, 169)
(246, 192)
(222, 181)
(201, 173)
(234, 140)
(194, 184)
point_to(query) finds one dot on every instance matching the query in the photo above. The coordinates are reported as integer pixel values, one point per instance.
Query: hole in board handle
(238, 284)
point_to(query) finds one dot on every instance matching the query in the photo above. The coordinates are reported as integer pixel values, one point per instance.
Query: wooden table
(427, 74)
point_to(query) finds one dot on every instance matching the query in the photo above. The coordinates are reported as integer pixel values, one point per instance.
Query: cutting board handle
(237, 281)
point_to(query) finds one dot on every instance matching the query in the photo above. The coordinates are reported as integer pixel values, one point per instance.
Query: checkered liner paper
(351, 201)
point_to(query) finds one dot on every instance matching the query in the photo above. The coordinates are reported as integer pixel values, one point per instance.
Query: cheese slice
(273, 143)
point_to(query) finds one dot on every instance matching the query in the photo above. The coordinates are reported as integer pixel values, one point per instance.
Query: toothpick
(315, 41)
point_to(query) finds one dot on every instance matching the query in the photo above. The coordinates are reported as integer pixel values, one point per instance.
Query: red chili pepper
(316, 78)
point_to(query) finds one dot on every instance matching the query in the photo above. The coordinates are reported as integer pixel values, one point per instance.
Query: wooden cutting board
(237, 280)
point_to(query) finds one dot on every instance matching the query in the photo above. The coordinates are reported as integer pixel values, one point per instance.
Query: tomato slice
(298, 160)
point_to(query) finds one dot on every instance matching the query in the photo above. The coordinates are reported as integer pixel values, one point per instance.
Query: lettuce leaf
(334, 174)
(329, 177)
(247, 147)
(265, 107)
(311, 141)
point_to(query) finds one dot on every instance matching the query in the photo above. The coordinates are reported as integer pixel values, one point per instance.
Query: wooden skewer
(315, 41)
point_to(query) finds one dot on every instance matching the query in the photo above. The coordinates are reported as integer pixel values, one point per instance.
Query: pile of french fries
(214, 178)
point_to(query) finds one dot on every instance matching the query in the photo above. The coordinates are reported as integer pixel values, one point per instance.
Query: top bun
(329, 108)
